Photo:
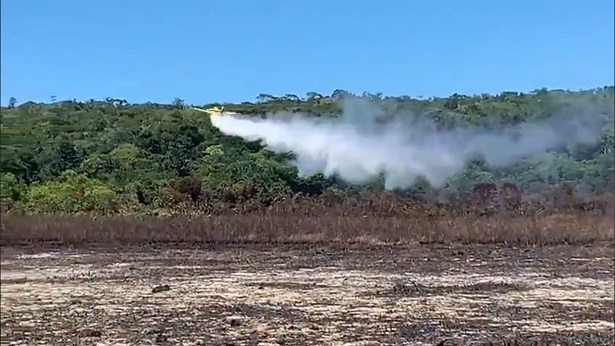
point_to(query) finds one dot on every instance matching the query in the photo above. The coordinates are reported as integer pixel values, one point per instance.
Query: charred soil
(316, 295)
(370, 274)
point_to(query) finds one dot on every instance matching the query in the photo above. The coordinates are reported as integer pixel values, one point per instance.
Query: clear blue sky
(214, 50)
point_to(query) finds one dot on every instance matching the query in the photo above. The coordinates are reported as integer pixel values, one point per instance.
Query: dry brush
(490, 215)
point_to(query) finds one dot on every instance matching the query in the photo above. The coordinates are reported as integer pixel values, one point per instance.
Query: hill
(114, 157)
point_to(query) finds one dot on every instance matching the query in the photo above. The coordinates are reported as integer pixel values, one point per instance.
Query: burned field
(292, 295)
(327, 278)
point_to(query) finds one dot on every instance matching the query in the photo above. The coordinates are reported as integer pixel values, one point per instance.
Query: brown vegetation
(489, 215)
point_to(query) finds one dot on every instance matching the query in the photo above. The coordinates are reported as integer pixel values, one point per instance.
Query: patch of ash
(113, 299)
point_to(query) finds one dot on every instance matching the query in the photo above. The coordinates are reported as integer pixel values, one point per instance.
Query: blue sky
(207, 51)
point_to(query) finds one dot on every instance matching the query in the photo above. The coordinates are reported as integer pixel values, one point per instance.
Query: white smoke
(357, 148)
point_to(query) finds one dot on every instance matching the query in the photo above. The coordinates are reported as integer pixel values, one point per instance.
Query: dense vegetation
(114, 157)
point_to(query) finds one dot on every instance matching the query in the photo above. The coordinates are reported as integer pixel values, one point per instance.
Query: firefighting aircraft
(214, 111)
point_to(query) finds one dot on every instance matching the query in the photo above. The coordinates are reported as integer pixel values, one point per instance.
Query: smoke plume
(358, 148)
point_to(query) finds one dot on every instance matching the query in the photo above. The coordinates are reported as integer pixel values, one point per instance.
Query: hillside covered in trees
(112, 157)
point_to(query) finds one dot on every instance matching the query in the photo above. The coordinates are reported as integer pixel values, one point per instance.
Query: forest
(108, 171)
(112, 157)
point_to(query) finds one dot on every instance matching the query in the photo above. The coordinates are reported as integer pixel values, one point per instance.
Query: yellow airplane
(214, 111)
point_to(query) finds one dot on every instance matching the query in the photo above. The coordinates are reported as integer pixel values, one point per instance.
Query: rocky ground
(261, 295)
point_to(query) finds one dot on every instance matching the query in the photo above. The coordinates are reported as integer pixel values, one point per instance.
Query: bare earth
(261, 295)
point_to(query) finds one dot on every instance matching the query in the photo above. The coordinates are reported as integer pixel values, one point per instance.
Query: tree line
(110, 156)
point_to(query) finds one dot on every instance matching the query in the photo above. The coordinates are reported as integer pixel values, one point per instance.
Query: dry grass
(573, 229)
(490, 216)
(534, 274)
